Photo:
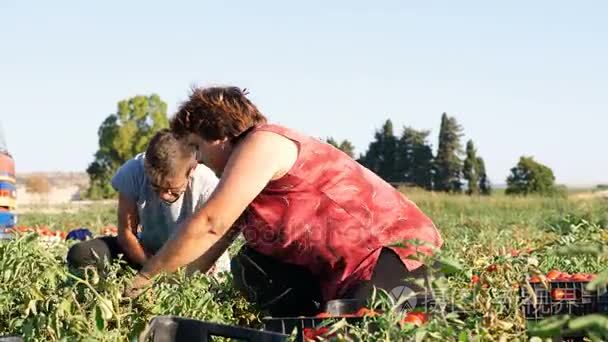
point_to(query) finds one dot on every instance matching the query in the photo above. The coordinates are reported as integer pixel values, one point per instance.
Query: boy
(157, 190)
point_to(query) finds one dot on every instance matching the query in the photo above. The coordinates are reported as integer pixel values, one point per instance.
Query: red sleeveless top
(332, 216)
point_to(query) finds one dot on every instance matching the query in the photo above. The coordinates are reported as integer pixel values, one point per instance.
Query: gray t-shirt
(158, 219)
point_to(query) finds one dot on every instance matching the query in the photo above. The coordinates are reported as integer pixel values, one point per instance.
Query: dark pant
(285, 290)
(97, 251)
(391, 275)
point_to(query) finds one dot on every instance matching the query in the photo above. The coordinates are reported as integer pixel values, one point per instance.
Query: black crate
(287, 325)
(11, 339)
(338, 309)
(563, 298)
(176, 329)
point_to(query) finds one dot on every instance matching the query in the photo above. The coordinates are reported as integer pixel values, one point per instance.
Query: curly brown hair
(215, 113)
(165, 155)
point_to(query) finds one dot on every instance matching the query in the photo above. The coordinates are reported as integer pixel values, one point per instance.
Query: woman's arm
(259, 158)
(206, 261)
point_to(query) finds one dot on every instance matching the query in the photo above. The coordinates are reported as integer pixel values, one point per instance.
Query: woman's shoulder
(277, 128)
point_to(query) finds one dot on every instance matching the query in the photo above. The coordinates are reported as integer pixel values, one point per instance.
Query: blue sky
(522, 77)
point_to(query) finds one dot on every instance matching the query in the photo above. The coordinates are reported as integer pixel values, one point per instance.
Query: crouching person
(157, 190)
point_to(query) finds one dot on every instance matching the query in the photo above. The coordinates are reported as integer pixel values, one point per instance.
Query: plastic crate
(174, 329)
(337, 309)
(11, 339)
(561, 298)
(286, 325)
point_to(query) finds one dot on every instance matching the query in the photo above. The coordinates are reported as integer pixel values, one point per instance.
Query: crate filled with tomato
(45, 234)
(561, 293)
(319, 327)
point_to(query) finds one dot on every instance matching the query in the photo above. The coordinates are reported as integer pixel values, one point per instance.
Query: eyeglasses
(172, 191)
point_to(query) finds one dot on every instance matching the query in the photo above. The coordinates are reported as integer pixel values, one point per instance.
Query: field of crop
(491, 245)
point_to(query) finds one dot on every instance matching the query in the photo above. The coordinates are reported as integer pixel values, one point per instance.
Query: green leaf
(99, 321)
(95, 278)
(463, 337)
(64, 308)
(449, 266)
(35, 292)
(31, 307)
(420, 335)
(601, 279)
(106, 308)
(549, 327)
(589, 322)
(7, 275)
(580, 250)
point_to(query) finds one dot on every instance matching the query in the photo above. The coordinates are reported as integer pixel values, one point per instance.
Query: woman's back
(333, 216)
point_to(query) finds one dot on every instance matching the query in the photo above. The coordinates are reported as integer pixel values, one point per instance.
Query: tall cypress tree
(448, 163)
(471, 169)
(332, 142)
(485, 187)
(415, 158)
(345, 146)
(382, 152)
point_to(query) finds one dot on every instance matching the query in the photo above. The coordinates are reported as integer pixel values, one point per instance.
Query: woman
(317, 224)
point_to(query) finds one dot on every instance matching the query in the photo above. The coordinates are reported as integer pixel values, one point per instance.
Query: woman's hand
(137, 286)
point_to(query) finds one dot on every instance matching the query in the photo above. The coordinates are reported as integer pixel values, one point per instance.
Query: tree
(332, 142)
(530, 177)
(448, 163)
(415, 158)
(348, 148)
(470, 169)
(485, 187)
(345, 146)
(38, 184)
(381, 154)
(123, 135)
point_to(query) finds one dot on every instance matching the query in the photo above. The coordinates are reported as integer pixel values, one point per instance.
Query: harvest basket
(561, 298)
(174, 328)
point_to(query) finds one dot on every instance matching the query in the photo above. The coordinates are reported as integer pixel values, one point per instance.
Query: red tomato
(579, 277)
(553, 274)
(415, 318)
(311, 334)
(535, 279)
(323, 330)
(514, 252)
(564, 277)
(475, 279)
(558, 294)
(492, 268)
(366, 312)
(323, 315)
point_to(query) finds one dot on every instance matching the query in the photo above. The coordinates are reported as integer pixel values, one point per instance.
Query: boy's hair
(165, 155)
(215, 113)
